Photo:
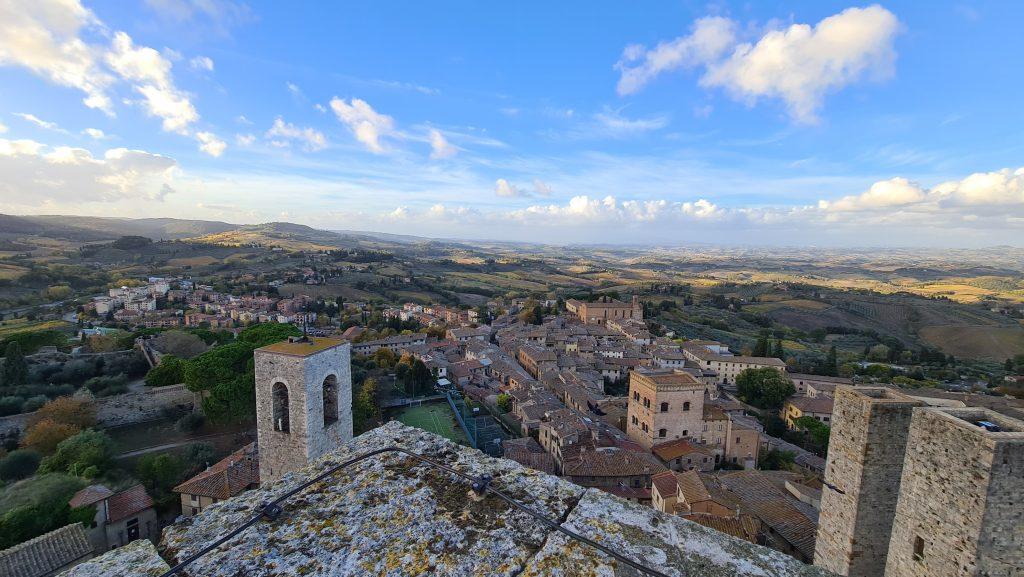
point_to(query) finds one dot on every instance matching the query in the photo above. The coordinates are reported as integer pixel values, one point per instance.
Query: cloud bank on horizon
(749, 127)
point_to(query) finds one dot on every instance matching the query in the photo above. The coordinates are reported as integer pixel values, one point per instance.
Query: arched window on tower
(330, 400)
(664, 407)
(279, 395)
(686, 406)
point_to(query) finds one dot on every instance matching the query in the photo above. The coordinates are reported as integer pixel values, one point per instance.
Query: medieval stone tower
(870, 426)
(303, 402)
(961, 505)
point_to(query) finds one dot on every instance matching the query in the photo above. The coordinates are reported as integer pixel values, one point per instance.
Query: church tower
(303, 402)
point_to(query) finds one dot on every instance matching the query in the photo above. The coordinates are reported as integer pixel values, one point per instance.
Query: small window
(686, 432)
(634, 419)
(918, 549)
(662, 433)
(686, 406)
(636, 396)
(737, 440)
(664, 407)
(279, 395)
(644, 427)
(330, 394)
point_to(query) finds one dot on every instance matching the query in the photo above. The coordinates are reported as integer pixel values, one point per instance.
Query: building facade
(664, 406)
(862, 479)
(960, 510)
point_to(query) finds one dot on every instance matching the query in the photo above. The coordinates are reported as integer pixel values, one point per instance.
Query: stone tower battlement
(870, 427)
(303, 402)
(961, 505)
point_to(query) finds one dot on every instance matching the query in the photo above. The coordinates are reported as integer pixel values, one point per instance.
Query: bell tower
(303, 402)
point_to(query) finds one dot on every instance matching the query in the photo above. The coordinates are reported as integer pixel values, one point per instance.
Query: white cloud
(798, 65)
(150, 74)
(709, 40)
(282, 132)
(883, 194)
(439, 146)
(801, 64)
(43, 36)
(94, 133)
(505, 189)
(541, 188)
(202, 63)
(996, 189)
(241, 119)
(245, 139)
(3, 128)
(35, 174)
(320, 107)
(40, 122)
(616, 124)
(368, 125)
(293, 89)
(210, 144)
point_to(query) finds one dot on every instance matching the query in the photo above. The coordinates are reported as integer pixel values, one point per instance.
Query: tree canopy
(226, 374)
(765, 388)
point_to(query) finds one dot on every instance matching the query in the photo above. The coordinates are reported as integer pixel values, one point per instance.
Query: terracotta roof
(666, 484)
(816, 405)
(692, 487)
(46, 553)
(543, 462)
(89, 495)
(610, 462)
(675, 449)
(773, 507)
(743, 527)
(127, 503)
(226, 478)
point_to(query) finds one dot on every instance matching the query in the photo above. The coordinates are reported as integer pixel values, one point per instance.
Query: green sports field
(436, 418)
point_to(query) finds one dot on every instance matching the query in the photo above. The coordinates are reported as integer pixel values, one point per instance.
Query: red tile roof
(674, 449)
(127, 503)
(226, 478)
(666, 484)
(89, 495)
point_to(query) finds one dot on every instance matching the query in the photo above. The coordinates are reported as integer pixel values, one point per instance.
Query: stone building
(664, 405)
(604, 309)
(862, 479)
(303, 402)
(961, 503)
(233, 474)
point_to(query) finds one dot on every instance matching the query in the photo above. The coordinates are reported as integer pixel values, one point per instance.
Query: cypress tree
(15, 371)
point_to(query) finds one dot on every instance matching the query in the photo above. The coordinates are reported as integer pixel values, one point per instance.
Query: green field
(436, 418)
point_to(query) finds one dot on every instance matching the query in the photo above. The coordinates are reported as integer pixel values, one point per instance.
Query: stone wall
(304, 377)
(870, 426)
(124, 409)
(960, 510)
(388, 515)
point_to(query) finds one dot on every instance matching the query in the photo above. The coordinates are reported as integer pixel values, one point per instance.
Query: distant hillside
(280, 234)
(28, 225)
(155, 228)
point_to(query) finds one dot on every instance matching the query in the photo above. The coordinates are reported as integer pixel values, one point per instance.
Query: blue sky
(765, 123)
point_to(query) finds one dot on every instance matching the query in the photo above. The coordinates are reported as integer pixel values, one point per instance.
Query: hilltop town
(590, 390)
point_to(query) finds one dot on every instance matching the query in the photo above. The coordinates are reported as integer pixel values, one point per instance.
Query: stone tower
(303, 402)
(961, 505)
(870, 426)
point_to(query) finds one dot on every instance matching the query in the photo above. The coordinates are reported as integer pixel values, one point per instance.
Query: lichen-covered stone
(389, 516)
(384, 516)
(666, 543)
(136, 558)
